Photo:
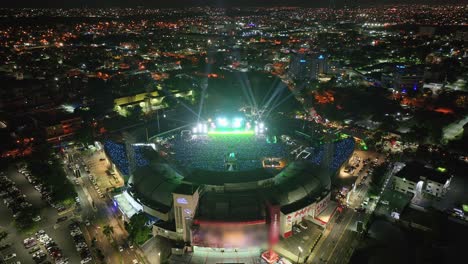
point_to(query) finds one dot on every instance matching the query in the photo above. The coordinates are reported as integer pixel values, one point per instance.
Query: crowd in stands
(118, 154)
(332, 154)
(210, 152)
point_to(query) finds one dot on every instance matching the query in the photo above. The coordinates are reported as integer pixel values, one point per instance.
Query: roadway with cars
(100, 211)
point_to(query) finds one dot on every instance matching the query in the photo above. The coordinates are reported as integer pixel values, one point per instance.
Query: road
(101, 211)
(339, 239)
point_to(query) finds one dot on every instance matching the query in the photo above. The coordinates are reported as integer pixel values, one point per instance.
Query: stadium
(226, 183)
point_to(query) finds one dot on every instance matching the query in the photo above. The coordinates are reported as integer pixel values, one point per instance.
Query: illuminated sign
(182, 201)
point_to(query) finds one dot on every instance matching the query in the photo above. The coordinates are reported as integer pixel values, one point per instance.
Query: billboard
(230, 235)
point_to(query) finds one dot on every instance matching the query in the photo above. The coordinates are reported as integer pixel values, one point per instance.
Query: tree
(378, 177)
(108, 230)
(135, 112)
(137, 229)
(3, 235)
(84, 134)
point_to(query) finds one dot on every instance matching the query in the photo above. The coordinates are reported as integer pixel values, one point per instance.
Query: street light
(299, 255)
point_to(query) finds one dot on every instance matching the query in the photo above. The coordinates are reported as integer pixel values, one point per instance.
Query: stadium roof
(230, 206)
(223, 177)
(154, 185)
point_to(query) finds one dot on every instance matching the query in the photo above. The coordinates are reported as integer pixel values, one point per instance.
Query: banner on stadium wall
(274, 231)
(322, 204)
(299, 214)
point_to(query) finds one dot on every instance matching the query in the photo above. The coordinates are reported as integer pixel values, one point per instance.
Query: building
(58, 125)
(148, 102)
(306, 66)
(404, 79)
(211, 208)
(417, 179)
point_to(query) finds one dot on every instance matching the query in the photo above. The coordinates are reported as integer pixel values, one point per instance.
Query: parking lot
(48, 222)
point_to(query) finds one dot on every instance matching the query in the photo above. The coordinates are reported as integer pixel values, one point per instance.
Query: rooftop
(413, 171)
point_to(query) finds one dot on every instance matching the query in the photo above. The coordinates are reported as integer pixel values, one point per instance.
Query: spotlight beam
(166, 93)
(204, 87)
(244, 90)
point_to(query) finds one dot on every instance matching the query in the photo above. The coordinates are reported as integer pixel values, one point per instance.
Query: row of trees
(49, 171)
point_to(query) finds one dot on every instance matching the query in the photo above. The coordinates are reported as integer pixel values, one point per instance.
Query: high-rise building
(307, 66)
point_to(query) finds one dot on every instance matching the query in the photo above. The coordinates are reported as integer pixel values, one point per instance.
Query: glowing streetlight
(299, 255)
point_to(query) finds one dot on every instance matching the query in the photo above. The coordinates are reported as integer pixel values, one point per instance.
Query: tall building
(307, 66)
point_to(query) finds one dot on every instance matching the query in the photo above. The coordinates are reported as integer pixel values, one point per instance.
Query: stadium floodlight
(233, 132)
(222, 122)
(205, 128)
(237, 123)
(195, 130)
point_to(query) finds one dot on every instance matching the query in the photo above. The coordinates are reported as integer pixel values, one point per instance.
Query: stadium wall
(293, 218)
(163, 216)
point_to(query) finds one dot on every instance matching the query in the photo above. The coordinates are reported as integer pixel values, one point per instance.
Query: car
(34, 249)
(61, 219)
(87, 223)
(86, 260)
(302, 225)
(37, 218)
(130, 246)
(135, 261)
(385, 202)
(120, 248)
(296, 229)
(9, 256)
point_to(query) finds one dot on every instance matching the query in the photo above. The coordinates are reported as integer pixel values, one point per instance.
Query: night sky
(187, 3)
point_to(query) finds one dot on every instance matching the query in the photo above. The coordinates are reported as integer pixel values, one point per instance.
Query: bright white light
(223, 122)
(205, 128)
(237, 123)
(195, 130)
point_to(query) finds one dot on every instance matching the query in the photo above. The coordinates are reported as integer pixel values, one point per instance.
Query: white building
(417, 179)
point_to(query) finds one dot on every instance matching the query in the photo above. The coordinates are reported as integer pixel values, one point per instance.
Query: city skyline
(217, 3)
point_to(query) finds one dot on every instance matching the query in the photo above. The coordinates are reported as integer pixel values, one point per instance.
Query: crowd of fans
(211, 152)
(332, 154)
(118, 154)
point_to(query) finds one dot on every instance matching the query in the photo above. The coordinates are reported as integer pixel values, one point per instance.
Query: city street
(101, 211)
(338, 243)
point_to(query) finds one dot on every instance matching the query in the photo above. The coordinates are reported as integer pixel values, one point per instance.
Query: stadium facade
(201, 200)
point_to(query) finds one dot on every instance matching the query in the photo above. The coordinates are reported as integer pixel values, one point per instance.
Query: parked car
(303, 226)
(9, 256)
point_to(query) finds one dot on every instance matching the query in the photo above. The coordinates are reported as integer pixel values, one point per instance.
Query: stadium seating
(341, 151)
(209, 152)
(118, 155)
